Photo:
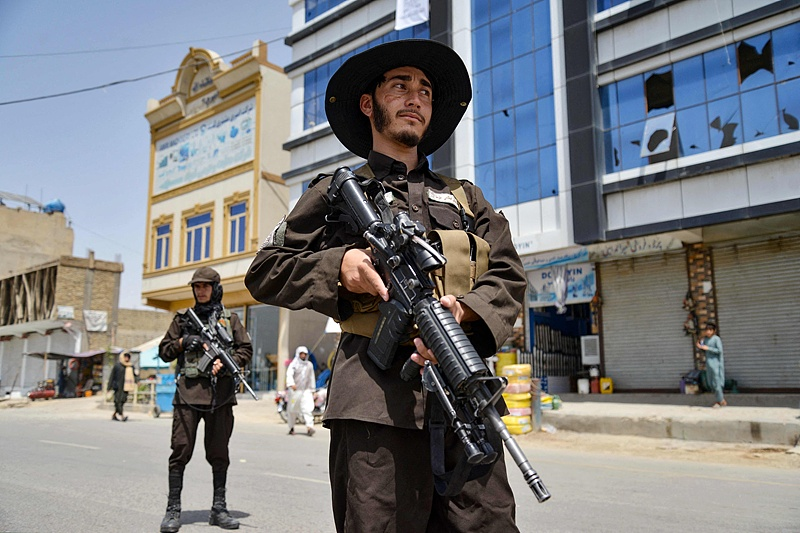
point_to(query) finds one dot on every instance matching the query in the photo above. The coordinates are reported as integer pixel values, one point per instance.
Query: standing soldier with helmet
(206, 393)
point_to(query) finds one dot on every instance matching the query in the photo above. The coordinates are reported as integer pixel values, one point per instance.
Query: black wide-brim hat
(444, 68)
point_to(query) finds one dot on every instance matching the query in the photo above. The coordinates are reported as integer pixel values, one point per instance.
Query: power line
(124, 48)
(118, 82)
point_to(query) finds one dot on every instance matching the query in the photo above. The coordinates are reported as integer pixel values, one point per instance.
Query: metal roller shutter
(758, 304)
(644, 344)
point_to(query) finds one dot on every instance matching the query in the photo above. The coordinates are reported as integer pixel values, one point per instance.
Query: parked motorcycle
(320, 401)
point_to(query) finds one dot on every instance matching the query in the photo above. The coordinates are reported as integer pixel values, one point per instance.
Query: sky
(91, 150)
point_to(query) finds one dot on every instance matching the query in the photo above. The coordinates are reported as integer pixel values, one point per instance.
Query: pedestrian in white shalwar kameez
(300, 381)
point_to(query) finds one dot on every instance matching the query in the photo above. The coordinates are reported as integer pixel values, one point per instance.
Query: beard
(406, 138)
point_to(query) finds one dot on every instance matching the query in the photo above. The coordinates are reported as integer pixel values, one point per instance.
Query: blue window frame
(513, 100)
(163, 234)
(602, 5)
(198, 237)
(316, 81)
(746, 91)
(315, 8)
(237, 216)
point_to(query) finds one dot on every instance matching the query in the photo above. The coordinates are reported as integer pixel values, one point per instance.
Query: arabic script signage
(207, 148)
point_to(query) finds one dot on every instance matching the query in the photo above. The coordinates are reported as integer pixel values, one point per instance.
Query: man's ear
(366, 104)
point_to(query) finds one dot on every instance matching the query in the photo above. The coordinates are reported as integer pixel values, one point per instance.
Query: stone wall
(137, 326)
(701, 307)
(31, 238)
(87, 283)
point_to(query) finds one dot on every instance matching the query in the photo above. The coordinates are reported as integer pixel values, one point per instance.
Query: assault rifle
(460, 380)
(216, 343)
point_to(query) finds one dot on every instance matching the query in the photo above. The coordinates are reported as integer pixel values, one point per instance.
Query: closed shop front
(758, 304)
(644, 345)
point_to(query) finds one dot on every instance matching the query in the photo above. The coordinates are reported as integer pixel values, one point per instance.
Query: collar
(382, 165)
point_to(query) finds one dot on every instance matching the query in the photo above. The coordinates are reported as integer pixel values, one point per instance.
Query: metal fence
(551, 363)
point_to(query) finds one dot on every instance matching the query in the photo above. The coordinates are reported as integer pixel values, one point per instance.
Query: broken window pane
(725, 122)
(658, 91)
(631, 144)
(759, 114)
(657, 138)
(786, 52)
(692, 130)
(755, 62)
(613, 155)
(789, 106)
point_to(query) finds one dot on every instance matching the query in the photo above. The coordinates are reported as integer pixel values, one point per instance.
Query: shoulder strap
(458, 191)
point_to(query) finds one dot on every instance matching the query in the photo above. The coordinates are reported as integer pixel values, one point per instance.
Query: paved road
(66, 468)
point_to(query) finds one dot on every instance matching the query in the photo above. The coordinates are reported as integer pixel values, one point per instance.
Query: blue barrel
(165, 391)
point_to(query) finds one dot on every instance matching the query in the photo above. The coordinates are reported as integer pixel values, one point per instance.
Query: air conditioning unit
(590, 350)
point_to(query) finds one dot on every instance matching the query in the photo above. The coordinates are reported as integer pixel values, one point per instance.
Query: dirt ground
(706, 452)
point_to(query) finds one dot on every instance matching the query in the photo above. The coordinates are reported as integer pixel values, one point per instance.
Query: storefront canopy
(42, 327)
(148, 354)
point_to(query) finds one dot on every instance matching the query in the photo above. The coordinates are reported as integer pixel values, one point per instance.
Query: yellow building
(216, 191)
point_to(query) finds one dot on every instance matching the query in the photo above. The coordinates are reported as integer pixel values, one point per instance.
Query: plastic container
(517, 372)
(165, 391)
(505, 359)
(518, 387)
(583, 386)
(606, 386)
(518, 424)
(520, 411)
(517, 401)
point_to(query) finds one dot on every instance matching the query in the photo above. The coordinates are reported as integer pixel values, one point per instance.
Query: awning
(148, 354)
(81, 355)
(42, 327)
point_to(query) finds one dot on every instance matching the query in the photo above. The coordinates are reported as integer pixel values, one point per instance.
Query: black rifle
(216, 343)
(460, 380)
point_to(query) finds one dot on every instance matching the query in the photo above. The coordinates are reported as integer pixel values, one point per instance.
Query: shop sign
(212, 146)
(633, 247)
(544, 284)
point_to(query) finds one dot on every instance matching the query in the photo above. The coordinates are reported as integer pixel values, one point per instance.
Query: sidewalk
(658, 416)
(749, 419)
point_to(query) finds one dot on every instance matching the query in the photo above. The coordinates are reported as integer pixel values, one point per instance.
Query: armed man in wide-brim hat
(393, 105)
(202, 393)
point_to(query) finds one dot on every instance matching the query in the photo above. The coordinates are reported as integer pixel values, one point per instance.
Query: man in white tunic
(300, 381)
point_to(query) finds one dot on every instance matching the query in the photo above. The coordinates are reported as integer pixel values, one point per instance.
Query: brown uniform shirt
(303, 272)
(198, 391)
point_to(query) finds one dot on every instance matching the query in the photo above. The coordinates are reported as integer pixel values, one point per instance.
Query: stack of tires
(518, 398)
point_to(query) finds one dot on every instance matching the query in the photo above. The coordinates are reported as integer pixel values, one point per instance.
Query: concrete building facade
(216, 188)
(645, 153)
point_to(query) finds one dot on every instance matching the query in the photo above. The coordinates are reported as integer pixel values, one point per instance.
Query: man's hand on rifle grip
(217, 366)
(358, 274)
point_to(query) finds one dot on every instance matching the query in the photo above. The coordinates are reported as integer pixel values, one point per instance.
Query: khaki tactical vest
(467, 258)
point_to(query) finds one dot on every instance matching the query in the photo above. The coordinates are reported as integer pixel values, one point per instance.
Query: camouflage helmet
(205, 275)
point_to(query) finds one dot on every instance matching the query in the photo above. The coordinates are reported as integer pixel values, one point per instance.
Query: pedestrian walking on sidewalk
(202, 393)
(300, 383)
(715, 365)
(122, 381)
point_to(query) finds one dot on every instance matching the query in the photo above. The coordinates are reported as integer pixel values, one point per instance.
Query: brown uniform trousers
(364, 458)
(218, 430)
